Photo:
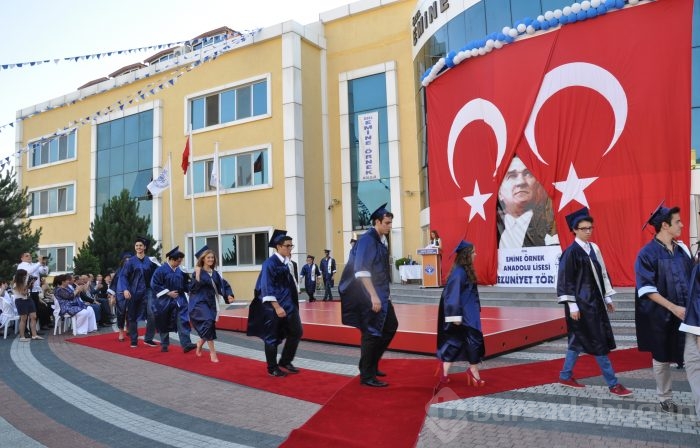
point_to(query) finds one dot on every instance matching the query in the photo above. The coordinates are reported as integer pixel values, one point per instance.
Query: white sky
(54, 29)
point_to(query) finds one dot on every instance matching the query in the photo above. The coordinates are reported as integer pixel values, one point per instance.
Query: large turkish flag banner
(598, 110)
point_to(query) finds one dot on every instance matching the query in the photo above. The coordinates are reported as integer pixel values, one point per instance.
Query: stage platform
(505, 328)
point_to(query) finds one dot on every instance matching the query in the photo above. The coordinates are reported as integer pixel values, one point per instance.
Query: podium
(432, 262)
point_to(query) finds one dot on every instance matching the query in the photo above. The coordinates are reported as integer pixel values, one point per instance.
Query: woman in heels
(203, 306)
(459, 318)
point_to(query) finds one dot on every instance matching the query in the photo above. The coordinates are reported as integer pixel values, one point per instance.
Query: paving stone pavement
(57, 394)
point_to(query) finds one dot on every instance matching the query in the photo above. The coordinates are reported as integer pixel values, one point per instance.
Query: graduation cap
(379, 213)
(659, 215)
(327, 251)
(126, 254)
(144, 240)
(463, 245)
(175, 253)
(201, 251)
(276, 238)
(572, 219)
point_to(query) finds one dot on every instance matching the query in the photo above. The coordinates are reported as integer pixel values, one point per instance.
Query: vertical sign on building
(368, 153)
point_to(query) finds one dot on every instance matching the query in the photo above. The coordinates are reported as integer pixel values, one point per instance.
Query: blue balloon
(564, 20)
(528, 21)
(537, 25)
(449, 59)
(509, 39)
(501, 36)
(581, 15)
(619, 4)
(602, 9)
(553, 22)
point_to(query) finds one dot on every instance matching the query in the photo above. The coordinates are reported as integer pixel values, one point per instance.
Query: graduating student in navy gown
(274, 314)
(119, 300)
(691, 328)
(205, 285)
(135, 284)
(169, 285)
(584, 288)
(460, 337)
(662, 272)
(364, 296)
(328, 269)
(310, 273)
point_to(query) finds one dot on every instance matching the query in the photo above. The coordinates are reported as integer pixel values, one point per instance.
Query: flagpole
(218, 196)
(170, 197)
(194, 229)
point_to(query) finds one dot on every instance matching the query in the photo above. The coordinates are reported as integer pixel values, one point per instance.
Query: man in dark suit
(525, 216)
(328, 271)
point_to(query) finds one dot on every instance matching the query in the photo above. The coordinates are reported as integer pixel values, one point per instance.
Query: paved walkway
(58, 394)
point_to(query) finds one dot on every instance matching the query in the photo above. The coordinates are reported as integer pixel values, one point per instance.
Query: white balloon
(540, 18)
(557, 13)
(576, 8)
(521, 28)
(566, 10)
(549, 15)
(513, 32)
(489, 44)
(595, 3)
(498, 44)
(530, 29)
(506, 30)
(475, 52)
(585, 5)
(482, 51)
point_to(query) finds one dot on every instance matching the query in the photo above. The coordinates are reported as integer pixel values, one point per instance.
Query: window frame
(54, 248)
(48, 142)
(194, 243)
(201, 98)
(48, 189)
(207, 189)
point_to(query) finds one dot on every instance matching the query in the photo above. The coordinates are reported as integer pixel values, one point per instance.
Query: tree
(85, 262)
(16, 235)
(114, 231)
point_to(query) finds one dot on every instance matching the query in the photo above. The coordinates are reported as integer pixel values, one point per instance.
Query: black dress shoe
(163, 348)
(380, 373)
(373, 382)
(189, 347)
(289, 368)
(276, 372)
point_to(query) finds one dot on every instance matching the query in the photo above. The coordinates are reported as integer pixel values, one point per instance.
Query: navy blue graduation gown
(167, 309)
(460, 298)
(309, 272)
(202, 304)
(691, 323)
(592, 333)
(368, 255)
(135, 276)
(275, 280)
(657, 270)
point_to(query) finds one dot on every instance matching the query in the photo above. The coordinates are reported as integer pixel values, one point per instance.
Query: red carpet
(360, 416)
(309, 385)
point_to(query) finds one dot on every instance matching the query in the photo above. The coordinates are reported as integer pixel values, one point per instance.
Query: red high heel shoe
(473, 381)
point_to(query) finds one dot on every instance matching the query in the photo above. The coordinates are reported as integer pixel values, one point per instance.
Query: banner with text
(528, 266)
(368, 153)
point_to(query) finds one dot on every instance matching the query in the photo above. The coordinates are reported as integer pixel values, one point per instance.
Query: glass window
(53, 150)
(455, 33)
(260, 98)
(695, 77)
(103, 139)
(551, 5)
(52, 200)
(212, 110)
(146, 125)
(116, 184)
(228, 106)
(245, 170)
(197, 112)
(145, 154)
(131, 129)
(259, 171)
(245, 249)
(116, 160)
(131, 157)
(227, 172)
(243, 102)
(60, 259)
(228, 248)
(475, 21)
(497, 15)
(525, 8)
(695, 131)
(261, 250)
(117, 133)
(367, 93)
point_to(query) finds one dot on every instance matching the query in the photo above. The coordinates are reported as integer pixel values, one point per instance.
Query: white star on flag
(476, 202)
(572, 188)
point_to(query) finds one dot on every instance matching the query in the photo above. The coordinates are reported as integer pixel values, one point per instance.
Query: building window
(238, 249)
(368, 95)
(230, 105)
(60, 258)
(52, 150)
(207, 41)
(242, 170)
(53, 200)
(125, 159)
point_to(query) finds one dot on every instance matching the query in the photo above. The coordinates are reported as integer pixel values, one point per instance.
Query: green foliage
(16, 236)
(115, 230)
(401, 262)
(85, 262)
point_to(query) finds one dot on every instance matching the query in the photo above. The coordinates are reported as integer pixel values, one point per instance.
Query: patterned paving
(58, 394)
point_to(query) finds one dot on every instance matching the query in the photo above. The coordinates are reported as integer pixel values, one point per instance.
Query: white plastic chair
(68, 321)
(9, 314)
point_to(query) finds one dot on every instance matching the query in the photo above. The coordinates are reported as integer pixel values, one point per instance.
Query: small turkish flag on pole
(186, 157)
